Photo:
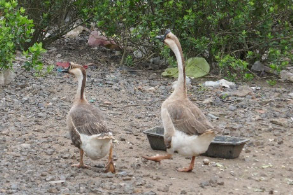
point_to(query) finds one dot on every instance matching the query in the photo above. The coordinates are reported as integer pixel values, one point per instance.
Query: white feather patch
(95, 148)
(187, 145)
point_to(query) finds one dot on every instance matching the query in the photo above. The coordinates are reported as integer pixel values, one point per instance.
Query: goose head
(169, 39)
(75, 69)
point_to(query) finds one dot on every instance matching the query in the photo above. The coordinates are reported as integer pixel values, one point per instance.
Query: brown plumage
(186, 129)
(85, 119)
(86, 124)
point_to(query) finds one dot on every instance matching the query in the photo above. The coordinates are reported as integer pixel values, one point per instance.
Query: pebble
(206, 161)
(150, 193)
(232, 108)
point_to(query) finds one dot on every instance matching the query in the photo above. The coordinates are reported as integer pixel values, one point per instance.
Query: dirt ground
(36, 152)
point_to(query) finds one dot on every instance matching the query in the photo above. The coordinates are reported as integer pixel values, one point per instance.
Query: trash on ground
(219, 83)
(74, 33)
(97, 39)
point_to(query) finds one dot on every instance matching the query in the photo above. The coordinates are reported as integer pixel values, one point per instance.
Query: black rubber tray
(221, 147)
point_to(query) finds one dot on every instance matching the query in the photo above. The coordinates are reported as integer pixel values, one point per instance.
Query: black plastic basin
(221, 147)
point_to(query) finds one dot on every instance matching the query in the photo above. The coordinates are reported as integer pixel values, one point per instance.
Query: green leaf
(195, 67)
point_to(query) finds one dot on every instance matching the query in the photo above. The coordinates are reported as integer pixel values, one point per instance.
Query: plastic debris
(222, 83)
(75, 32)
(97, 39)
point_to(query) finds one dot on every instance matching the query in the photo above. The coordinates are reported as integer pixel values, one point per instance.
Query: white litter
(222, 83)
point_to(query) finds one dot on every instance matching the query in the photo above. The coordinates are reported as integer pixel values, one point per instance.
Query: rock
(279, 140)
(6, 77)
(258, 67)
(150, 193)
(14, 186)
(280, 121)
(208, 100)
(206, 161)
(242, 91)
(204, 184)
(163, 189)
(25, 146)
(232, 173)
(107, 175)
(139, 53)
(286, 75)
(232, 108)
(128, 189)
(213, 182)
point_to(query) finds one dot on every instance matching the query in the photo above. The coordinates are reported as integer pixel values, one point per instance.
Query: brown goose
(186, 129)
(86, 124)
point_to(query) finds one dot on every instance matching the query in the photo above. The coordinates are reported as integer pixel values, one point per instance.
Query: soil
(36, 151)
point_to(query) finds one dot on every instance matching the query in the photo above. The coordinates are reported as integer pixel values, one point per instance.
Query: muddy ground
(36, 152)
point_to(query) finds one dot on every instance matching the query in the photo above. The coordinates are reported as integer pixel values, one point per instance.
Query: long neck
(81, 86)
(181, 84)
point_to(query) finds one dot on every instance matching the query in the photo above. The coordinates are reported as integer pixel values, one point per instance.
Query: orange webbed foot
(157, 158)
(110, 167)
(80, 166)
(185, 169)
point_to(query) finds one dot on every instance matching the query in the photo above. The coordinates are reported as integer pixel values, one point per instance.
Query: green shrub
(15, 30)
(234, 69)
(54, 18)
(247, 30)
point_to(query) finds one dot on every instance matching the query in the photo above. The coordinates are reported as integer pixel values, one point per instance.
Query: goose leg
(190, 168)
(80, 165)
(110, 165)
(157, 158)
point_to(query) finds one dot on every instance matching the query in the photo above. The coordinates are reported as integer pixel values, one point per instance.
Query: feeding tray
(221, 147)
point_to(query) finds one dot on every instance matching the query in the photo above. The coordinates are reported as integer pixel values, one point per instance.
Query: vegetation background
(230, 34)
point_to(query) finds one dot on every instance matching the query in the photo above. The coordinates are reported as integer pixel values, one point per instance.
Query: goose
(86, 124)
(186, 129)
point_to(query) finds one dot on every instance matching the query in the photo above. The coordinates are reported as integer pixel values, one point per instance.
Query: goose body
(191, 133)
(88, 132)
(186, 129)
(86, 124)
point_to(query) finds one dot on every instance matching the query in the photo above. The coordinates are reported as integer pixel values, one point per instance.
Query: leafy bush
(246, 30)
(54, 18)
(15, 30)
(234, 68)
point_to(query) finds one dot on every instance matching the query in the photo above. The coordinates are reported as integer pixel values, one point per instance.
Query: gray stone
(232, 108)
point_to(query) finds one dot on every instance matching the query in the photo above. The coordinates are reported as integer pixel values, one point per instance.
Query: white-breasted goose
(86, 124)
(186, 129)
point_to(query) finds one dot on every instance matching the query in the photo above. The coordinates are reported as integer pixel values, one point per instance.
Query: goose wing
(188, 118)
(87, 120)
